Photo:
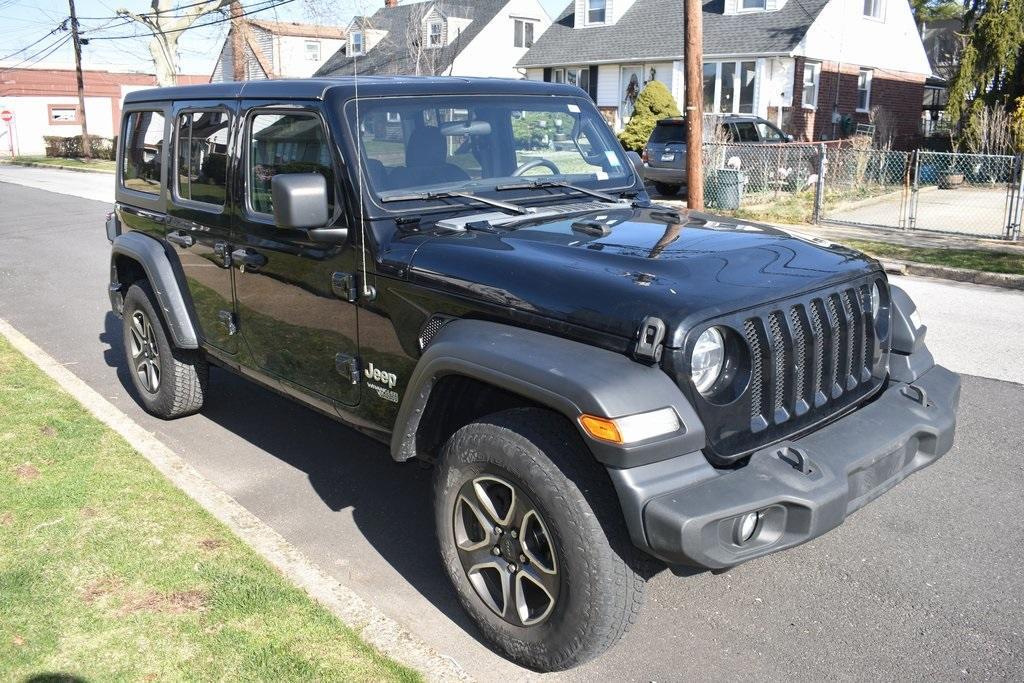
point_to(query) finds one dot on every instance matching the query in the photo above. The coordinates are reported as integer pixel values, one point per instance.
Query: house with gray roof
(440, 37)
(817, 67)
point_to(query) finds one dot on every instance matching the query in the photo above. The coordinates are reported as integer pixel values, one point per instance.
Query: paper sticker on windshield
(612, 158)
(574, 108)
(601, 175)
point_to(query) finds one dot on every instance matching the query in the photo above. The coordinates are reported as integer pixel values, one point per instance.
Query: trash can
(723, 189)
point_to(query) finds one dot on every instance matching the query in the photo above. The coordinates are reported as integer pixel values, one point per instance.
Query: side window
(769, 133)
(201, 159)
(285, 143)
(143, 151)
(746, 131)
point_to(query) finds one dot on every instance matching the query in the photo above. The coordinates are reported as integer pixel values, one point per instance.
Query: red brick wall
(901, 95)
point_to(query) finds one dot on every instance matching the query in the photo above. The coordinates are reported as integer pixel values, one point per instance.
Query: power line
(24, 63)
(155, 14)
(272, 4)
(63, 26)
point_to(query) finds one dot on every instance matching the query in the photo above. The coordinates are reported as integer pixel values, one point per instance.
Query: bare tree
(167, 22)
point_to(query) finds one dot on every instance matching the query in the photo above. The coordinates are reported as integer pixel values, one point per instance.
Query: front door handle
(181, 239)
(247, 259)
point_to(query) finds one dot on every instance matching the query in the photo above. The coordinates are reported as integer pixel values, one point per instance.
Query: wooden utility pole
(76, 39)
(693, 55)
(237, 43)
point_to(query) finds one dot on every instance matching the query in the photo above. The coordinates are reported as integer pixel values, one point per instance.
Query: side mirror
(300, 200)
(637, 162)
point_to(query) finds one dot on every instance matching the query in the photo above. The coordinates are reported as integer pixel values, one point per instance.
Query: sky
(25, 25)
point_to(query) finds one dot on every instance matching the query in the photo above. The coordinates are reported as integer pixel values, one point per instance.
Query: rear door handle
(247, 259)
(181, 239)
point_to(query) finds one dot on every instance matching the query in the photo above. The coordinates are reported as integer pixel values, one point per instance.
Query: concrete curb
(32, 164)
(978, 277)
(370, 622)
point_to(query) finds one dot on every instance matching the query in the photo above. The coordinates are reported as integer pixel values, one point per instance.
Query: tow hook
(916, 394)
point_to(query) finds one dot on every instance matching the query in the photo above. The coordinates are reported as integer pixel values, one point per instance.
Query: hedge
(71, 147)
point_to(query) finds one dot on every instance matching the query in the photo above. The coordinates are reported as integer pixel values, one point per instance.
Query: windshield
(476, 143)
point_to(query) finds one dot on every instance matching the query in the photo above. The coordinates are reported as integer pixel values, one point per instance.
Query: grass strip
(105, 165)
(109, 572)
(975, 259)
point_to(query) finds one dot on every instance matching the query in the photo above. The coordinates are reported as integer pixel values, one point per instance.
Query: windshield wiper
(545, 184)
(446, 194)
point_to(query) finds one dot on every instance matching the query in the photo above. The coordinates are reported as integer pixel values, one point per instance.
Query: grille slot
(780, 353)
(757, 420)
(802, 358)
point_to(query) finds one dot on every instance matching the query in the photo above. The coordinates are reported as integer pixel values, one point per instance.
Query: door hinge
(227, 319)
(344, 286)
(649, 340)
(347, 366)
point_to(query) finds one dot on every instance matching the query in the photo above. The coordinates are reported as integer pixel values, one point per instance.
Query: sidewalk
(87, 185)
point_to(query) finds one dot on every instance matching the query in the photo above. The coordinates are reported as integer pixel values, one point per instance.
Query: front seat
(425, 162)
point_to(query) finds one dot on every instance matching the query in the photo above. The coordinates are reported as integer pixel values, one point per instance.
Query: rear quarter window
(144, 150)
(664, 134)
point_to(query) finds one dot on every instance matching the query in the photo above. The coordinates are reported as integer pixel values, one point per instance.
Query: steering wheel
(534, 163)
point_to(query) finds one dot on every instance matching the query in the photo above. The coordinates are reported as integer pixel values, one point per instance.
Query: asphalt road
(923, 583)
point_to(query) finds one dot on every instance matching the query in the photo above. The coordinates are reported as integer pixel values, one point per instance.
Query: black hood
(625, 264)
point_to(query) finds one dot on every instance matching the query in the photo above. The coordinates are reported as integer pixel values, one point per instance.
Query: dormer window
(357, 43)
(873, 9)
(753, 5)
(435, 34)
(523, 33)
(595, 11)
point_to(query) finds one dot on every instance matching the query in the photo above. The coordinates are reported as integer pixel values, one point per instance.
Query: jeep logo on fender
(378, 375)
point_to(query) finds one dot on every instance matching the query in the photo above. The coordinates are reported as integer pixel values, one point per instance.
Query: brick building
(45, 102)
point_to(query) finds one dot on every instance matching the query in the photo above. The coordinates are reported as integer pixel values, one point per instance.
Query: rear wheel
(667, 190)
(533, 539)
(170, 382)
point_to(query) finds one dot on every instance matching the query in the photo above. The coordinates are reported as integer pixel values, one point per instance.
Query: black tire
(599, 591)
(181, 374)
(667, 190)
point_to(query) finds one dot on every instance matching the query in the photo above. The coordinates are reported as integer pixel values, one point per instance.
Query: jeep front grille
(810, 358)
(828, 336)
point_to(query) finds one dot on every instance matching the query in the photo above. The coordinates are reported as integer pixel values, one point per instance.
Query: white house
(816, 66)
(276, 49)
(438, 37)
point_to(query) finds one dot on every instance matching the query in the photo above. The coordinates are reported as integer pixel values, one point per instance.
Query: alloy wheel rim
(145, 352)
(506, 550)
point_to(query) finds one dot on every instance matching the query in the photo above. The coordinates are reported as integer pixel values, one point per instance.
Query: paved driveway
(923, 583)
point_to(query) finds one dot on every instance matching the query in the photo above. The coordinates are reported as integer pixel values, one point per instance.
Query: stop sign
(6, 115)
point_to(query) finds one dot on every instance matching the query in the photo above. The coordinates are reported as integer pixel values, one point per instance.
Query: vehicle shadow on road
(390, 502)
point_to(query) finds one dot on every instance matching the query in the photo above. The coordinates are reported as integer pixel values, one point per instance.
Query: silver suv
(665, 154)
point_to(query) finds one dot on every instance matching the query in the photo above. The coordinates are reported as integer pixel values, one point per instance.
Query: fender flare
(150, 254)
(566, 376)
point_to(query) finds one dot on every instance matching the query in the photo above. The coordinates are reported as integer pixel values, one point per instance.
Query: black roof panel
(369, 86)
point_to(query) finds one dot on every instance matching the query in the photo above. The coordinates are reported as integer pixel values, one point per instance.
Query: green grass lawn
(109, 572)
(975, 259)
(105, 165)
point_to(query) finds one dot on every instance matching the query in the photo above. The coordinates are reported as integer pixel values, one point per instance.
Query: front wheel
(533, 540)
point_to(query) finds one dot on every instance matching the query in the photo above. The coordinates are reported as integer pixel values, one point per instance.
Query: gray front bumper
(686, 512)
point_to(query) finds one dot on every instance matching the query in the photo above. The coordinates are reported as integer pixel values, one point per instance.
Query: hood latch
(649, 340)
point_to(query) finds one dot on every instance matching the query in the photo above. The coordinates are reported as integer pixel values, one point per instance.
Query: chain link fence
(849, 183)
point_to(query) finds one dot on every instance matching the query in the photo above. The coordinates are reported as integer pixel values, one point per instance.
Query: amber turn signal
(601, 428)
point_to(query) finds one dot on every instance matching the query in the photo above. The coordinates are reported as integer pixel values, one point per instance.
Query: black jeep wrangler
(471, 272)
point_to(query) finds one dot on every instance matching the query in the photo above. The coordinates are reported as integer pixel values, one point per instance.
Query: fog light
(746, 527)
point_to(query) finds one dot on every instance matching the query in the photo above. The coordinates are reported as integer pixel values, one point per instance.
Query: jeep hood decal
(608, 270)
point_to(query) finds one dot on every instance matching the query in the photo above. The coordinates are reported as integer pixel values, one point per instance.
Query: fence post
(819, 189)
(915, 166)
(1016, 212)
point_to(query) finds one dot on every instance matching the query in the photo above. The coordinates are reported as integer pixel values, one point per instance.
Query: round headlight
(707, 359)
(876, 301)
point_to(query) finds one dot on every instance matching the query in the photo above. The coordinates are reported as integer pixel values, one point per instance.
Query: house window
(580, 77)
(63, 114)
(357, 43)
(729, 87)
(435, 34)
(873, 9)
(812, 72)
(754, 4)
(595, 11)
(523, 33)
(312, 50)
(864, 90)
(558, 76)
